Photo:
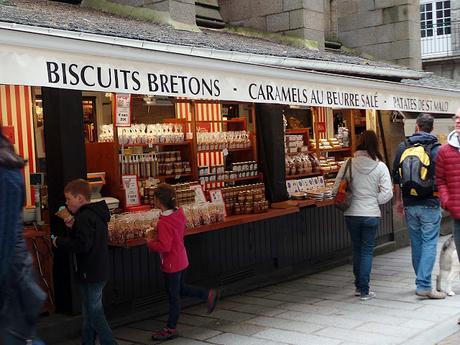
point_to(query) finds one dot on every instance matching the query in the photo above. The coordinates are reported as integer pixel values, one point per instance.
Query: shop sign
(131, 190)
(39, 67)
(123, 110)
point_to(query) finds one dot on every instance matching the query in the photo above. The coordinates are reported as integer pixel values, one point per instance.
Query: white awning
(46, 59)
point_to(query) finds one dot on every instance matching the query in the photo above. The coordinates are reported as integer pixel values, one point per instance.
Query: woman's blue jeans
(362, 231)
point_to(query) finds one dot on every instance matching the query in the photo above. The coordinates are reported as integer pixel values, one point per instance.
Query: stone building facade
(385, 29)
(446, 62)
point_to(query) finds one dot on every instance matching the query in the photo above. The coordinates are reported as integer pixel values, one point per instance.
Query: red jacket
(170, 242)
(448, 175)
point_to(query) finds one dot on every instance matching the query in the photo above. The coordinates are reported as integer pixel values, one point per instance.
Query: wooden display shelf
(342, 149)
(182, 143)
(305, 203)
(240, 179)
(335, 171)
(313, 174)
(229, 150)
(324, 203)
(228, 222)
(165, 177)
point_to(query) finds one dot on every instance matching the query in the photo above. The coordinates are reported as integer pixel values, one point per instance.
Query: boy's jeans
(94, 322)
(362, 231)
(176, 288)
(423, 223)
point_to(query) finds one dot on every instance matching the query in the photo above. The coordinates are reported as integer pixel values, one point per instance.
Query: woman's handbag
(344, 192)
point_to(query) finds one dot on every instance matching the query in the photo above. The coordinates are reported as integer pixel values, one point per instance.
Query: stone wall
(178, 13)
(448, 68)
(455, 17)
(300, 18)
(386, 29)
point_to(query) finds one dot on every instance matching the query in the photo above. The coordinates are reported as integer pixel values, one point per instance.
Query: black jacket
(88, 242)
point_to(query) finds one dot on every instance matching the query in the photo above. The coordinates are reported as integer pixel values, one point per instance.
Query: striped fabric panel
(205, 111)
(16, 111)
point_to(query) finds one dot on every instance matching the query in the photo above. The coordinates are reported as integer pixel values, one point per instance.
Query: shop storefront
(237, 140)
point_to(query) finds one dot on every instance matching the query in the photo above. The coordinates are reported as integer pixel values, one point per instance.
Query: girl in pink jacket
(169, 244)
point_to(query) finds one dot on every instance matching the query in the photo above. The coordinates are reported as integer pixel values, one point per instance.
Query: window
(435, 28)
(435, 18)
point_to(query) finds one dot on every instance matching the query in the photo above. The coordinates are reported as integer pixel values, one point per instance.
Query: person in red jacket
(448, 178)
(169, 244)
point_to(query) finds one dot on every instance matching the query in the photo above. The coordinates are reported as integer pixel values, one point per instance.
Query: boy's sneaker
(367, 297)
(213, 296)
(357, 292)
(165, 334)
(432, 294)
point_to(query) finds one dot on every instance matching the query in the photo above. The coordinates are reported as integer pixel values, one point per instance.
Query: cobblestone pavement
(320, 309)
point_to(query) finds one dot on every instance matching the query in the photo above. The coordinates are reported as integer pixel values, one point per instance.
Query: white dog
(449, 266)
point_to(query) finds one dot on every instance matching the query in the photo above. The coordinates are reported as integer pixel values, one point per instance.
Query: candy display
(330, 164)
(159, 133)
(218, 173)
(154, 164)
(130, 226)
(246, 199)
(223, 140)
(295, 144)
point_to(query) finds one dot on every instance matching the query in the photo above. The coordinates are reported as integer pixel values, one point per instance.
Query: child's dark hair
(166, 194)
(79, 187)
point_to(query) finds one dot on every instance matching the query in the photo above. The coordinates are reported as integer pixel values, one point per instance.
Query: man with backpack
(416, 197)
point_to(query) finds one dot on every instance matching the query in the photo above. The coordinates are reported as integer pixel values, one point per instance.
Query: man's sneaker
(368, 296)
(357, 292)
(213, 296)
(165, 334)
(432, 294)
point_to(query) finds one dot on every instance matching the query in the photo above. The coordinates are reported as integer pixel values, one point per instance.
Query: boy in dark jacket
(88, 244)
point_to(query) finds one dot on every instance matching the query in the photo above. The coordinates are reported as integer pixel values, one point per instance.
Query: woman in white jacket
(371, 187)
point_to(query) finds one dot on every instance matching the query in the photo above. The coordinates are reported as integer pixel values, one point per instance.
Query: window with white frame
(435, 27)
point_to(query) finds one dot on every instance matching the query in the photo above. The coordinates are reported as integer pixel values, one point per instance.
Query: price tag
(216, 196)
(131, 190)
(150, 145)
(225, 152)
(177, 177)
(123, 110)
(199, 194)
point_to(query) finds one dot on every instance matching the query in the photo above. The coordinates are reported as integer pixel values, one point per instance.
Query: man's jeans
(94, 322)
(423, 223)
(362, 231)
(176, 288)
(457, 236)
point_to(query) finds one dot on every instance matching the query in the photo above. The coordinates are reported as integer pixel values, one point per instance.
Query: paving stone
(418, 324)
(320, 319)
(258, 293)
(295, 337)
(280, 298)
(195, 320)
(329, 283)
(148, 325)
(357, 336)
(454, 339)
(259, 310)
(239, 328)
(230, 339)
(289, 325)
(133, 335)
(183, 341)
(232, 315)
(392, 304)
(395, 331)
(267, 302)
(308, 308)
(226, 304)
(197, 333)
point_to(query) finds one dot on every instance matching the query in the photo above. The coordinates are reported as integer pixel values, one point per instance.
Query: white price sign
(131, 190)
(123, 109)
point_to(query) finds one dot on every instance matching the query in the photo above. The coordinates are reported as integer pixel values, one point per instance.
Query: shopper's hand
(399, 207)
